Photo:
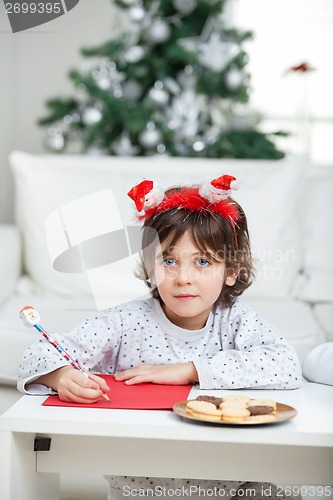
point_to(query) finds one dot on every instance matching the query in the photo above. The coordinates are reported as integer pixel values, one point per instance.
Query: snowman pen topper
(31, 318)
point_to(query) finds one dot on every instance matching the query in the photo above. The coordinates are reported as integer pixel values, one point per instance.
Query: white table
(160, 443)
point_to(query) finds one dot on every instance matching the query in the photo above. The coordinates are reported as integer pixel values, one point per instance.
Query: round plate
(283, 412)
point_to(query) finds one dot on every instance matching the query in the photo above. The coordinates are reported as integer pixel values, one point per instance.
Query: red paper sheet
(133, 397)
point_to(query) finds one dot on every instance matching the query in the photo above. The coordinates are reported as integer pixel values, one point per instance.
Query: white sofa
(288, 203)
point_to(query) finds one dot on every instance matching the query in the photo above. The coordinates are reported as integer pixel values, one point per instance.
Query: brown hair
(210, 232)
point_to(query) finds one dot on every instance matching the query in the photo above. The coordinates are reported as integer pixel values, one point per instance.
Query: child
(196, 260)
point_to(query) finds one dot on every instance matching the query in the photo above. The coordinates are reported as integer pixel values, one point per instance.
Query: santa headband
(209, 197)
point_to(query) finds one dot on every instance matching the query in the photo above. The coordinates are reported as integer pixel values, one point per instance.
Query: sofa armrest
(10, 259)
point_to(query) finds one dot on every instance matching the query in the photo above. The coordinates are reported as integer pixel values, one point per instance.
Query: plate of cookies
(235, 410)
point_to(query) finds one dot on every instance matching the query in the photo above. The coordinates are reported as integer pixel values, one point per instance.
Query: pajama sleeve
(252, 356)
(91, 343)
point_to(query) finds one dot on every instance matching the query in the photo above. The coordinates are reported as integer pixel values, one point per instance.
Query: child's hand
(73, 386)
(177, 374)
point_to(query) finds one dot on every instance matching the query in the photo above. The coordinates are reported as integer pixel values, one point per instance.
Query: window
(286, 34)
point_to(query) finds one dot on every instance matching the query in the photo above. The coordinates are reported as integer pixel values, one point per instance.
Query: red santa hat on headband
(146, 195)
(219, 189)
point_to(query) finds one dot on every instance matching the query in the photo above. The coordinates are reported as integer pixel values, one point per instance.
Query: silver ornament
(134, 54)
(161, 149)
(185, 6)
(76, 117)
(132, 90)
(91, 115)
(118, 92)
(102, 77)
(158, 95)
(111, 65)
(198, 146)
(55, 139)
(103, 82)
(150, 137)
(234, 78)
(68, 119)
(136, 13)
(159, 31)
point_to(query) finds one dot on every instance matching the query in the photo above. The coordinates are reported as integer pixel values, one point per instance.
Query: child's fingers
(77, 393)
(68, 374)
(127, 374)
(84, 381)
(83, 396)
(76, 387)
(140, 379)
(135, 375)
(100, 381)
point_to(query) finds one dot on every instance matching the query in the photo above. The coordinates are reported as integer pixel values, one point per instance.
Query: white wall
(33, 68)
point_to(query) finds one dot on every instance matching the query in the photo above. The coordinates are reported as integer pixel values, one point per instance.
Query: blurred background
(290, 86)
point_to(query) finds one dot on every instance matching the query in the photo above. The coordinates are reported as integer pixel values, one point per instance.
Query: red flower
(301, 68)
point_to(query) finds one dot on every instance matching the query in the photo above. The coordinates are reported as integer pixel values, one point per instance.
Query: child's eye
(202, 262)
(169, 262)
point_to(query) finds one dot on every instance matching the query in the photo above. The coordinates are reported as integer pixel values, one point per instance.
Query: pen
(30, 317)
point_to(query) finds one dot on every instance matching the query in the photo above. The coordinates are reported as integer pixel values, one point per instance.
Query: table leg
(18, 475)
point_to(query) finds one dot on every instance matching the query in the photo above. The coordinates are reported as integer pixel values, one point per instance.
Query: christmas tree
(176, 83)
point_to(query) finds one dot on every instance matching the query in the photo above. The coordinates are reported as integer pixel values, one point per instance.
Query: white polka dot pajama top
(236, 348)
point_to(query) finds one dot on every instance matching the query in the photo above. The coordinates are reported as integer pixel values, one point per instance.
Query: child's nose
(184, 275)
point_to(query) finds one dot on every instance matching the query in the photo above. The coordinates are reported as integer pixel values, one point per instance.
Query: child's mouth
(186, 296)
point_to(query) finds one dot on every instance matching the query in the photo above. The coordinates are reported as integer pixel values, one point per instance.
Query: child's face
(189, 283)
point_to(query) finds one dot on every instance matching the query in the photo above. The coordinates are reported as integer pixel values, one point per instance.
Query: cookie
(241, 405)
(262, 402)
(234, 414)
(236, 400)
(260, 409)
(203, 408)
(205, 416)
(210, 399)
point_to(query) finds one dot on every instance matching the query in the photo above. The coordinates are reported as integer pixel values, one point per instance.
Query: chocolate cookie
(210, 399)
(260, 410)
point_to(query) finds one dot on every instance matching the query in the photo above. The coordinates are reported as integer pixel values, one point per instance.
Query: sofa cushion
(316, 282)
(318, 210)
(315, 285)
(268, 194)
(294, 320)
(10, 259)
(324, 315)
